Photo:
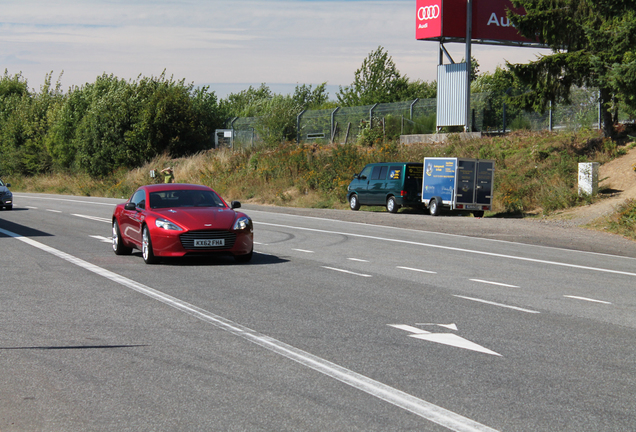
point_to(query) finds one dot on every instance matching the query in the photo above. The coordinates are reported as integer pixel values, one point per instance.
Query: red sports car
(174, 220)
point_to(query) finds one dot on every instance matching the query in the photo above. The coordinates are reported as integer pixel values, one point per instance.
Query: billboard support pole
(469, 28)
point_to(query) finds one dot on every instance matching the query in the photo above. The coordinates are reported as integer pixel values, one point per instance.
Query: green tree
(277, 120)
(376, 81)
(592, 44)
(246, 103)
(497, 88)
(306, 98)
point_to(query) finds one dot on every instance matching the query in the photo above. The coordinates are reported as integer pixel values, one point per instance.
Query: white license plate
(473, 207)
(209, 242)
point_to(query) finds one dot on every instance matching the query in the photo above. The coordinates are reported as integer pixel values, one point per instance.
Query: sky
(227, 45)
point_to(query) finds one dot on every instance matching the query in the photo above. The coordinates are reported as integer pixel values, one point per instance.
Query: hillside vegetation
(536, 172)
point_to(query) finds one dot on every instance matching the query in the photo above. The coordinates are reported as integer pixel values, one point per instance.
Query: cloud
(214, 41)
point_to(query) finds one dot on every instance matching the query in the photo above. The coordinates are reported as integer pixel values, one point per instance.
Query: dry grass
(535, 171)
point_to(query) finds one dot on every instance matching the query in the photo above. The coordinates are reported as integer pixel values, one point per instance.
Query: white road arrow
(444, 338)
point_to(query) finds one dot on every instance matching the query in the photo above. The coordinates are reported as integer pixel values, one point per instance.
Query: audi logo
(428, 12)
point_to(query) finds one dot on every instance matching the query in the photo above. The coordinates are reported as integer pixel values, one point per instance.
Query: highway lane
(511, 336)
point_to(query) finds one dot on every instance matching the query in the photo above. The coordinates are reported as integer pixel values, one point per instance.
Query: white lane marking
(303, 250)
(53, 211)
(102, 239)
(494, 283)
(67, 200)
(492, 254)
(346, 271)
(96, 218)
(449, 339)
(587, 299)
(420, 407)
(357, 259)
(416, 270)
(365, 225)
(443, 234)
(31, 207)
(448, 326)
(261, 244)
(497, 304)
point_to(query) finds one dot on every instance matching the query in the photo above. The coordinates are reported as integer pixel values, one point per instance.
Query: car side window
(366, 172)
(379, 173)
(139, 199)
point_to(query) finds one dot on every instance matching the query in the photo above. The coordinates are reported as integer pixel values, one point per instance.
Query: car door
(377, 185)
(361, 185)
(131, 220)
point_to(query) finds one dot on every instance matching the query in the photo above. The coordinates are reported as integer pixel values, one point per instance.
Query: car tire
(391, 205)
(146, 247)
(244, 258)
(118, 245)
(354, 203)
(9, 207)
(434, 207)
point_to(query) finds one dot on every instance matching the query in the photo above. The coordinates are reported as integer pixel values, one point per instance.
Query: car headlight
(165, 224)
(243, 223)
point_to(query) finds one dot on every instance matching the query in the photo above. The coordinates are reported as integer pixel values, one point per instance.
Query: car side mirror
(8, 185)
(235, 204)
(130, 206)
(363, 177)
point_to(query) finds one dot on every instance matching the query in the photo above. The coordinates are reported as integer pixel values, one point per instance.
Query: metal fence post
(298, 126)
(331, 125)
(411, 108)
(371, 116)
(232, 127)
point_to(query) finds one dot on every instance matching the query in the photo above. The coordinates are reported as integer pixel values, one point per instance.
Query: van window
(395, 173)
(366, 173)
(379, 172)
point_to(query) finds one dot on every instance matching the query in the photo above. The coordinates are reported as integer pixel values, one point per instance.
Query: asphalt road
(343, 321)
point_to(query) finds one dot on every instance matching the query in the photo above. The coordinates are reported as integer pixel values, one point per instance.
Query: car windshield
(1, 183)
(185, 198)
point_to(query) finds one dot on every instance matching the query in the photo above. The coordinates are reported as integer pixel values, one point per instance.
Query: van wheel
(391, 205)
(434, 208)
(353, 202)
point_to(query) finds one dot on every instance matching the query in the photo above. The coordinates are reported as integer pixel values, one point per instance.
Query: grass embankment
(536, 172)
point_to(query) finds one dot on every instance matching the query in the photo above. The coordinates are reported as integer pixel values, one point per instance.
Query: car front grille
(187, 239)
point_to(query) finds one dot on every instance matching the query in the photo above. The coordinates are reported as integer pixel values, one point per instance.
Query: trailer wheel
(478, 214)
(391, 205)
(434, 207)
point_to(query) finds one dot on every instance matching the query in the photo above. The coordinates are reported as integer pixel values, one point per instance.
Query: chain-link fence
(489, 114)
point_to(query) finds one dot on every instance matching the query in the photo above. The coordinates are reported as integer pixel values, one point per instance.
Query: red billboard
(446, 19)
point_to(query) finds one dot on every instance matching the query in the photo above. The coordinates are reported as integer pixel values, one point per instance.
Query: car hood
(4, 189)
(199, 218)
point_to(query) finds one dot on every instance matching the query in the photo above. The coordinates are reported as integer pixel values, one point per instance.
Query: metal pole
(232, 127)
(333, 113)
(550, 126)
(469, 27)
(371, 116)
(411, 108)
(298, 126)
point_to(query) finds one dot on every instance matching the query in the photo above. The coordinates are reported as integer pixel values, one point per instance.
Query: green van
(390, 184)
